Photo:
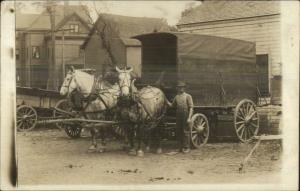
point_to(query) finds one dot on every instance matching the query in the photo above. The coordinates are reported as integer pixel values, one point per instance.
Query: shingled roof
(225, 10)
(42, 21)
(131, 26)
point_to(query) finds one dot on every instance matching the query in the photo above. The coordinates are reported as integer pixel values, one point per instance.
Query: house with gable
(118, 30)
(33, 44)
(255, 21)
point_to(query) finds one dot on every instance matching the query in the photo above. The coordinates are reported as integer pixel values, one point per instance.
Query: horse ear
(118, 69)
(130, 69)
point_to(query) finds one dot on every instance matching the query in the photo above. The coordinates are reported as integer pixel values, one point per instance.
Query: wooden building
(117, 35)
(33, 44)
(255, 21)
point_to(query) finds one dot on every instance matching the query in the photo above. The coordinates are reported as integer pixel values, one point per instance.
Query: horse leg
(130, 130)
(93, 146)
(158, 140)
(148, 140)
(140, 152)
(103, 141)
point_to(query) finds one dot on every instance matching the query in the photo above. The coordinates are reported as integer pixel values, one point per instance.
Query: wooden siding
(95, 54)
(264, 31)
(134, 59)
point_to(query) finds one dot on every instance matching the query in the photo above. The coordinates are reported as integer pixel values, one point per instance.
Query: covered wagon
(220, 74)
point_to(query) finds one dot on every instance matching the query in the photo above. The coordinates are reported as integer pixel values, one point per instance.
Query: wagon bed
(220, 74)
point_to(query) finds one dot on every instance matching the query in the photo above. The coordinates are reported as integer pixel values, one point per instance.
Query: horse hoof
(101, 150)
(159, 151)
(147, 149)
(132, 152)
(140, 153)
(92, 148)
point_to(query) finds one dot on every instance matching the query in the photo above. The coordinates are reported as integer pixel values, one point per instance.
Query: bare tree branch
(106, 30)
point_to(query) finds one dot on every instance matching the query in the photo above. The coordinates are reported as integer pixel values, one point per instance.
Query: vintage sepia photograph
(129, 95)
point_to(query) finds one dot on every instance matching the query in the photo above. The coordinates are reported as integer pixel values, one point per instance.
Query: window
(75, 28)
(17, 54)
(36, 52)
(263, 74)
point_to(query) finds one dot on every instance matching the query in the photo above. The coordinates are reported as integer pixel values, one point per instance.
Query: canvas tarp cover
(218, 71)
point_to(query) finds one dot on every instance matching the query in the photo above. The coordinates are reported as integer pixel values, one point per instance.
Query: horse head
(124, 80)
(79, 80)
(69, 84)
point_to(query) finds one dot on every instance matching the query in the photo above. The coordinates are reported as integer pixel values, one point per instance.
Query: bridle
(69, 83)
(123, 84)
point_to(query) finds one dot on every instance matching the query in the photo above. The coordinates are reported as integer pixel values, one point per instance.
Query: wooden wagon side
(33, 104)
(220, 74)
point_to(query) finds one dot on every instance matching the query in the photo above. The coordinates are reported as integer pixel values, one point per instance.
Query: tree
(105, 29)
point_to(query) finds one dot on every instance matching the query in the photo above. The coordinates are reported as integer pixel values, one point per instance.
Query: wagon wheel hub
(199, 128)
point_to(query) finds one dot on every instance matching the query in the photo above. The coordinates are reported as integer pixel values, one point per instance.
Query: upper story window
(36, 52)
(75, 28)
(17, 54)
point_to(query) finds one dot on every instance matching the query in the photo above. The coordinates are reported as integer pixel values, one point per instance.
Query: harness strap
(144, 107)
(99, 96)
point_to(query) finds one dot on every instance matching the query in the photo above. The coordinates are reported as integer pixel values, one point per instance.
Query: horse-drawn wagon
(220, 74)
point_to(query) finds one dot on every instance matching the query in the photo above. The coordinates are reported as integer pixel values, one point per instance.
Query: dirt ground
(46, 156)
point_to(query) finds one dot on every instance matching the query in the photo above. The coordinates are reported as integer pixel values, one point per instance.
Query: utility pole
(52, 77)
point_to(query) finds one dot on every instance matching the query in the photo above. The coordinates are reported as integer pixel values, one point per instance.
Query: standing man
(183, 102)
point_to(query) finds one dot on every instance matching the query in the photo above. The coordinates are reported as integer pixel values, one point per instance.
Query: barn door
(263, 74)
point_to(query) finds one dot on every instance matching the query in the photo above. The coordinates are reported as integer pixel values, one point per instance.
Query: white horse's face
(124, 81)
(68, 85)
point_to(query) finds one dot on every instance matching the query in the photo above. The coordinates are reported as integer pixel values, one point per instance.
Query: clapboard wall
(263, 30)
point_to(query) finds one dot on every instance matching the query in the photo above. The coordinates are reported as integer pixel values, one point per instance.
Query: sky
(169, 10)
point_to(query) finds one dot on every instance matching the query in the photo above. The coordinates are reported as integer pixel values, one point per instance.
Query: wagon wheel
(72, 130)
(199, 130)
(246, 121)
(63, 105)
(26, 118)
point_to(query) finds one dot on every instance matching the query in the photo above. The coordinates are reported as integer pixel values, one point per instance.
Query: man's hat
(181, 84)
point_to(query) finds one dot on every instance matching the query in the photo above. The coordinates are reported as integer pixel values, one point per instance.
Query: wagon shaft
(49, 121)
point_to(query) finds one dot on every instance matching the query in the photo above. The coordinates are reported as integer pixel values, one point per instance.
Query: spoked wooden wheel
(199, 130)
(72, 130)
(246, 121)
(62, 105)
(26, 118)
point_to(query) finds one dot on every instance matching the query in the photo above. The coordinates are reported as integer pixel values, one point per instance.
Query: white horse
(147, 109)
(105, 98)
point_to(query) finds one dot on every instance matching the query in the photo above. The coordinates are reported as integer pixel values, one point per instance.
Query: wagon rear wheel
(199, 130)
(246, 120)
(26, 118)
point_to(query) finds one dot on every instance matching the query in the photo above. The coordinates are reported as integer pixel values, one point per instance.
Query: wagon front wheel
(246, 120)
(62, 105)
(199, 130)
(26, 118)
(73, 131)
